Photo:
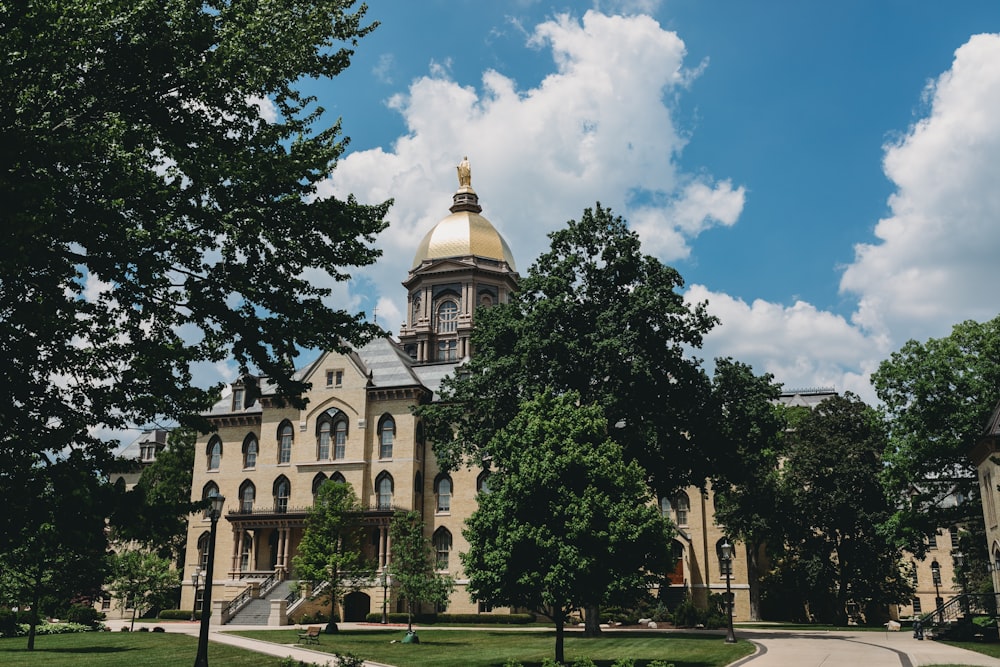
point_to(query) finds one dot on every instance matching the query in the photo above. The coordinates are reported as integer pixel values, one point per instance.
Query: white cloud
(935, 260)
(799, 344)
(598, 127)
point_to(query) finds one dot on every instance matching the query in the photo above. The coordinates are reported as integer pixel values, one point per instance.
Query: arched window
(250, 451)
(209, 490)
(340, 438)
(483, 482)
(442, 547)
(323, 440)
(418, 484)
(285, 442)
(666, 508)
(338, 478)
(682, 506)
(996, 560)
(282, 490)
(386, 435)
(442, 488)
(214, 452)
(245, 551)
(318, 482)
(248, 493)
(447, 317)
(203, 550)
(383, 491)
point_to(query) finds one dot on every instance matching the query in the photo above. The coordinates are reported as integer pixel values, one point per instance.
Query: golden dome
(464, 233)
(461, 234)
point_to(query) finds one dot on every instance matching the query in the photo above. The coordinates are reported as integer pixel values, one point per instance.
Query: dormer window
(238, 399)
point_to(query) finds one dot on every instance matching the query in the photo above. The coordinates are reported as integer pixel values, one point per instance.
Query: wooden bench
(310, 636)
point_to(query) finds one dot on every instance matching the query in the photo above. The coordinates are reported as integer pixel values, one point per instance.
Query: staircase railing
(961, 606)
(268, 584)
(237, 603)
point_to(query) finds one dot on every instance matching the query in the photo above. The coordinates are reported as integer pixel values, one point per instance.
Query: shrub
(349, 660)
(144, 629)
(177, 614)
(549, 662)
(292, 662)
(158, 629)
(511, 662)
(9, 626)
(623, 662)
(61, 628)
(584, 662)
(84, 615)
(660, 663)
(431, 619)
(686, 615)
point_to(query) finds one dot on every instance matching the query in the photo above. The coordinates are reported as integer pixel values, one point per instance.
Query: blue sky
(826, 175)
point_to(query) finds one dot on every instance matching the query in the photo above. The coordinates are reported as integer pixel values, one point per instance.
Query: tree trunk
(753, 577)
(560, 618)
(592, 621)
(132, 628)
(33, 618)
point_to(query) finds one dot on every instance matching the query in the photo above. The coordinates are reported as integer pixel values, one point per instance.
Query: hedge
(178, 615)
(448, 619)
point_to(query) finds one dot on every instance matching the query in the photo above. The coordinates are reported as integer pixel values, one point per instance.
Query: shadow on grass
(84, 650)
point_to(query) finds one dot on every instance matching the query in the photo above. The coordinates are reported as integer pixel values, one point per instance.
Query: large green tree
(155, 512)
(159, 176)
(938, 395)
(596, 316)
(747, 484)
(332, 551)
(142, 580)
(63, 554)
(567, 522)
(412, 566)
(836, 549)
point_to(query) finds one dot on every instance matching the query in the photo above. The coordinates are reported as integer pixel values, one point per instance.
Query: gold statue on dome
(464, 173)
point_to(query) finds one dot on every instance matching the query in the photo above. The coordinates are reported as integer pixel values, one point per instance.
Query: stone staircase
(258, 611)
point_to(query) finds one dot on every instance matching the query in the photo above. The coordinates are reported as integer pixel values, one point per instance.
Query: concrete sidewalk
(785, 648)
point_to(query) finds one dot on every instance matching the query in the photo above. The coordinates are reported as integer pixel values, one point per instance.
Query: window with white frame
(383, 491)
(387, 433)
(282, 491)
(323, 440)
(442, 548)
(214, 453)
(443, 492)
(340, 438)
(248, 493)
(285, 442)
(250, 451)
(447, 317)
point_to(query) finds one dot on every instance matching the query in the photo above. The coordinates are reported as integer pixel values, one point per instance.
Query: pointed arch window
(282, 491)
(386, 436)
(337, 478)
(682, 505)
(250, 451)
(318, 481)
(442, 489)
(383, 491)
(245, 552)
(483, 482)
(285, 442)
(209, 490)
(203, 550)
(442, 548)
(214, 452)
(248, 494)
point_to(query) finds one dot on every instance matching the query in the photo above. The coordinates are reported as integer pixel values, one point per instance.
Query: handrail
(237, 603)
(268, 584)
(962, 605)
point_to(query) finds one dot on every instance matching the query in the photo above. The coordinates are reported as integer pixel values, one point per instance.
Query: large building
(358, 427)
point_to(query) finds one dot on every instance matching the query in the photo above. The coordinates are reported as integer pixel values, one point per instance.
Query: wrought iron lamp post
(958, 559)
(727, 561)
(214, 512)
(936, 576)
(195, 580)
(385, 594)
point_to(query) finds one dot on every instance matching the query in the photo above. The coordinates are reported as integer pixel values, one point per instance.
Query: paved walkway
(784, 648)
(775, 648)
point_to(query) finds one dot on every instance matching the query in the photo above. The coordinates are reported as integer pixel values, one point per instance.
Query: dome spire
(465, 198)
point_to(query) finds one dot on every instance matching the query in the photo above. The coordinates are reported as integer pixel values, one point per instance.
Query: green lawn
(492, 648)
(122, 649)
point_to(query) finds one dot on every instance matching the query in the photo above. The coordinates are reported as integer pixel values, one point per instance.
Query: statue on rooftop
(464, 173)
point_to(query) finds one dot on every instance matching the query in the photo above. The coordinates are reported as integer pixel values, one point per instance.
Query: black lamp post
(727, 560)
(214, 512)
(385, 594)
(958, 558)
(936, 576)
(195, 580)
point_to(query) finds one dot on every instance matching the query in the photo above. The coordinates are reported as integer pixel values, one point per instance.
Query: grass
(992, 650)
(122, 649)
(492, 648)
